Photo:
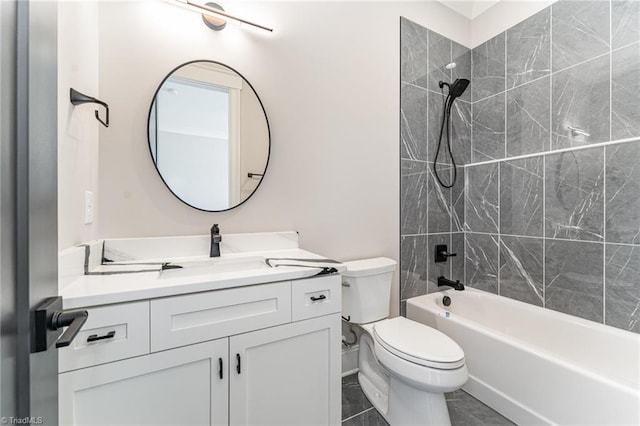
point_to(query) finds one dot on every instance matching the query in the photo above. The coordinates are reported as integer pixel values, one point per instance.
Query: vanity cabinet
(177, 387)
(286, 375)
(213, 358)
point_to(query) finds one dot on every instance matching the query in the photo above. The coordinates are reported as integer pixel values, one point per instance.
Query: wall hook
(78, 98)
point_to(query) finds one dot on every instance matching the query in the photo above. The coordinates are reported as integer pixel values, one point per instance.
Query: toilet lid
(418, 343)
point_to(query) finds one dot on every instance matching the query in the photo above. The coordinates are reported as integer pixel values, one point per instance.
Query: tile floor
(464, 410)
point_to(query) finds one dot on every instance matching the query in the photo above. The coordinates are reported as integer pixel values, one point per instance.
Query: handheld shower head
(458, 87)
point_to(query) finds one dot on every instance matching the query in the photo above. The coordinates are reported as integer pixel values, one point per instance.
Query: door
(183, 386)
(286, 375)
(28, 204)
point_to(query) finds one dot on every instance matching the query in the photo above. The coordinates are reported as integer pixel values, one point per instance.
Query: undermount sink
(214, 266)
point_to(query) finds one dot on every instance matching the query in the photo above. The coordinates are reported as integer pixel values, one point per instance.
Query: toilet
(404, 367)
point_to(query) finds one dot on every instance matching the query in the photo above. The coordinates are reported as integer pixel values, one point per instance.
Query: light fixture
(214, 15)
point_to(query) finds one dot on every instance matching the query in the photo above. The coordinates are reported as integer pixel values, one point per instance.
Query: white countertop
(94, 290)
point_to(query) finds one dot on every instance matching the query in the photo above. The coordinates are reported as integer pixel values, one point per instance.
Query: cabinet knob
(238, 363)
(321, 297)
(220, 368)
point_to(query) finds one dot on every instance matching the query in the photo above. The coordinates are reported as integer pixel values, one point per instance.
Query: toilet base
(398, 402)
(408, 406)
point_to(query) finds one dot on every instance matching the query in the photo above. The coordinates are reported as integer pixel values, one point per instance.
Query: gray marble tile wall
(551, 214)
(430, 214)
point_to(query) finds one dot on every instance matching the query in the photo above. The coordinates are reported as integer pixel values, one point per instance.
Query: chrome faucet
(215, 241)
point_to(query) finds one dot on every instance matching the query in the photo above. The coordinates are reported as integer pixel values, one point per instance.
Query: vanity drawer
(184, 320)
(111, 333)
(315, 297)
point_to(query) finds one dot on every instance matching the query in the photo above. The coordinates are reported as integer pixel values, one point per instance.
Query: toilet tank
(366, 289)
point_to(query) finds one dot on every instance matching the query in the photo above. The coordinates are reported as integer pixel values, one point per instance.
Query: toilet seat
(418, 343)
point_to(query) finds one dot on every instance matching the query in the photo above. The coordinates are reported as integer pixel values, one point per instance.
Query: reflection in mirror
(208, 136)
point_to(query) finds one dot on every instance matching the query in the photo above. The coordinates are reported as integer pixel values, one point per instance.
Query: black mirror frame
(266, 166)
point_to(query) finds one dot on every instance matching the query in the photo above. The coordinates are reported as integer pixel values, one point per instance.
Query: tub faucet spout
(456, 285)
(215, 241)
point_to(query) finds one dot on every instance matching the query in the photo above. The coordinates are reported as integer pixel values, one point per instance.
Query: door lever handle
(49, 318)
(73, 320)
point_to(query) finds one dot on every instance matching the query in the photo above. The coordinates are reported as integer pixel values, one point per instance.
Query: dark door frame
(29, 205)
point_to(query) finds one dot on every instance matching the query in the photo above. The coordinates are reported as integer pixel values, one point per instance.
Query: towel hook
(78, 98)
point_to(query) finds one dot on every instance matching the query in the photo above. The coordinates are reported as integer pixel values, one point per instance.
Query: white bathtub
(538, 366)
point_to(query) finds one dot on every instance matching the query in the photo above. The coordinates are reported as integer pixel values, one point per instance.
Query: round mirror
(209, 135)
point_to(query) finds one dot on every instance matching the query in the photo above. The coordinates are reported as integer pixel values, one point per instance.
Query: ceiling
(469, 8)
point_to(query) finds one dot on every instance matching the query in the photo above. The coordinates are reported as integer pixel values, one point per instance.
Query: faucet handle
(441, 253)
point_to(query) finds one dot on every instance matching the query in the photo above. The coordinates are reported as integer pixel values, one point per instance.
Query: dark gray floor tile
(465, 410)
(353, 399)
(368, 418)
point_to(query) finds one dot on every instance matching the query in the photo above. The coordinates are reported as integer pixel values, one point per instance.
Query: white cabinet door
(286, 375)
(176, 387)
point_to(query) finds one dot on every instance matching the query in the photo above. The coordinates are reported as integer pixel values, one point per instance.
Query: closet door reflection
(192, 142)
(196, 121)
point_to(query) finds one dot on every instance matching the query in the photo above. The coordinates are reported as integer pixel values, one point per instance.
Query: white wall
(329, 79)
(77, 127)
(502, 16)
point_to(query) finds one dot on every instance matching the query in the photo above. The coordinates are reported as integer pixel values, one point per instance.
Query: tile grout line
(427, 266)
(557, 151)
(604, 169)
(359, 414)
(504, 100)
(544, 232)
(464, 188)
(551, 73)
(450, 264)
(499, 229)
(505, 95)
(552, 238)
(604, 233)
(544, 166)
